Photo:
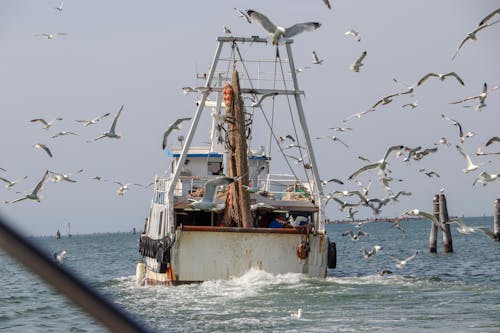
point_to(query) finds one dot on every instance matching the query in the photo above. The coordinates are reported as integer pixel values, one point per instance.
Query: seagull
(93, 120)
(441, 77)
(327, 3)
(341, 129)
(207, 202)
(61, 133)
(489, 16)
(367, 254)
(461, 134)
(111, 133)
(364, 159)
(298, 221)
(410, 105)
(355, 237)
(462, 227)
(9, 184)
(429, 174)
(472, 36)
(402, 263)
(356, 34)
(358, 63)
(384, 272)
(381, 164)
(484, 178)
(351, 213)
(60, 7)
(410, 89)
(334, 138)
(46, 124)
(384, 100)
(175, 126)
(442, 141)
(316, 60)
(57, 177)
(425, 215)
(357, 115)
(297, 314)
(44, 147)
(386, 180)
(481, 97)
(242, 15)
(59, 257)
(324, 182)
(278, 32)
(343, 204)
(284, 138)
(470, 166)
(34, 194)
(227, 31)
(255, 181)
(487, 232)
(125, 187)
(491, 140)
(51, 36)
(259, 102)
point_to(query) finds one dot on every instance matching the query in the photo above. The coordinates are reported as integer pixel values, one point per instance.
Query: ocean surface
(452, 292)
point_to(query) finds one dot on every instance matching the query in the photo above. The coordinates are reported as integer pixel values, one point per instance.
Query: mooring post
(443, 217)
(496, 219)
(434, 229)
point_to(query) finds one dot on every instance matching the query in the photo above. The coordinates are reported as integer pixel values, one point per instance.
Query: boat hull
(211, 253)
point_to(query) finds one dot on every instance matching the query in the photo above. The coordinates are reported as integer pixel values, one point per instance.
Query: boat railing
(280, 187)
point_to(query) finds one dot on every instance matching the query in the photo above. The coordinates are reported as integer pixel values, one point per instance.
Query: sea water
(443, 292)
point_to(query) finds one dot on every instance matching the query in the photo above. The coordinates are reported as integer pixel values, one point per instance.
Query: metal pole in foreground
(496, 219)
(434, 229)
(443, 217)
(27, 253)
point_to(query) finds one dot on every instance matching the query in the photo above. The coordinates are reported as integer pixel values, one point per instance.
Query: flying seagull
(384, 100)
(51, 36)
(61, 133)
(358, 63)
(60, 7)
(382, 164)
(111, 133)
(125, 187)
(9, 183)
(462, 227)
(278, 32)
(441, 77)
(356, 34)
(461, 134)
(93, 120)
(357, 115)
(472, 36)
(34, 194)
(470, 166)
(47, 124)
(425, 215)
(227, 31)
(327, 3)
(334, 138)
(207, 201)
(355, 237)
(485, 177)
(175, 126)
(59, 257)
(316, 59)
(58, 177)
(410, 89)
(481, 97)
(44, 147)
(402, 263)
(374, 250)
(242, 15)
(259, 102)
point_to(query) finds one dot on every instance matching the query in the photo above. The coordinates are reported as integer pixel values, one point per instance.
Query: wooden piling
(443, 217)
(434, 229)
(496, 219)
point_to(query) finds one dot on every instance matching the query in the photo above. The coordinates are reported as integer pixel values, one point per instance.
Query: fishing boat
(219, 211)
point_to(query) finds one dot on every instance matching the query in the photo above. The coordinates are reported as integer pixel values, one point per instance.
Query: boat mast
(318, 188)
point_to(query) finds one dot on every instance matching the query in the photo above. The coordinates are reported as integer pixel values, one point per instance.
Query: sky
(140, 55)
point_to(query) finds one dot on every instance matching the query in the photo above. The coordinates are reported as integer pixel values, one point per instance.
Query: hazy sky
(140, 54)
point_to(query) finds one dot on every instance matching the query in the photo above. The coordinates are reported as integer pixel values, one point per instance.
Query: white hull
(201, 254)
